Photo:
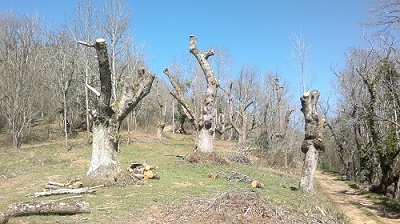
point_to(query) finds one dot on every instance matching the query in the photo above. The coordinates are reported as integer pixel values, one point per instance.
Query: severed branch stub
(313, 143)
(204, 122)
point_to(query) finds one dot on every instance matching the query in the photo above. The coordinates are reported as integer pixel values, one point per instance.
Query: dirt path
(355, 206)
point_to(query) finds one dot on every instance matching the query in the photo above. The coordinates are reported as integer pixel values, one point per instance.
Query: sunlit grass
(28, 170)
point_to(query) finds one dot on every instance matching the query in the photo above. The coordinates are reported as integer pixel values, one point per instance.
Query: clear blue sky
(257, 33)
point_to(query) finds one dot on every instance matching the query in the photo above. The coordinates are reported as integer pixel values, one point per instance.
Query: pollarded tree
(204, 124)
(313, 142)
(107, 118)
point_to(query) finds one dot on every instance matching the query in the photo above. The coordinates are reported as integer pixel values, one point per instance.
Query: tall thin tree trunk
(87, 102)
(65, 119)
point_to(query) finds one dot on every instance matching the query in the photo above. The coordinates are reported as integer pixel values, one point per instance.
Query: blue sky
(257, 33)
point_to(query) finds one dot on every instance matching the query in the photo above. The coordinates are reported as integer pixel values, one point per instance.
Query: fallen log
(67, 191)
(44, 208)
(47, 208)
(4, 218)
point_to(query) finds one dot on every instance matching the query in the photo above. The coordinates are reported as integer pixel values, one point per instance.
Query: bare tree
(313, 143)
(299, 56)
(84, 24)
(386, 16)
(107, 118)
(20, 80)
(243, 95)
(205, 125)
(62, 63)
(162, 112)
(114, 25)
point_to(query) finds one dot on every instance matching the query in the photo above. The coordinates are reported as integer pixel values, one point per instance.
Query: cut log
(156, 176)
(147, 167)
(76, 185)
(213, 175)
(47, 208)
(257, 184)
(143, 171)
(148, 174)
(67, 191)
(138, 176)
(4, 218)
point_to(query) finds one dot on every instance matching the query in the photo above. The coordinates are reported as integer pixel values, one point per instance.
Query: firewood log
(257, 184)
(47, 208)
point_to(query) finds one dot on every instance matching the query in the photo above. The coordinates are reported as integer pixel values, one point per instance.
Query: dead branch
(67, 191)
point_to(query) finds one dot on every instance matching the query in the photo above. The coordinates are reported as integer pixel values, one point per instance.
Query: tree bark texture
(44, 208)
(162, 114)
(47, 208)
(204, 124)
(107, 118)
(313, 143)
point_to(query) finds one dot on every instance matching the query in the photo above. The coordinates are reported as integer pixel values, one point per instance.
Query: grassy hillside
(184, 194)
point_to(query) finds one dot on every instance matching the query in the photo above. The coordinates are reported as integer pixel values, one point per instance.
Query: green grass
(25, 171)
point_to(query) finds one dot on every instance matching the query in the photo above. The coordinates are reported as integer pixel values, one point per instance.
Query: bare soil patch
(355, 206)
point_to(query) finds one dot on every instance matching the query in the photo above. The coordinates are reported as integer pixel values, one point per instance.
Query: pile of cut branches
(71, 187)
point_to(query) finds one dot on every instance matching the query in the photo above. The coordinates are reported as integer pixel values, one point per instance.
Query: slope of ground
(354, 204)
(184, 194)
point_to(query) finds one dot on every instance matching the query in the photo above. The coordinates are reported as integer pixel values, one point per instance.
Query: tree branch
(179, 96)
(93, 90)
(86, 44)
(132, 92)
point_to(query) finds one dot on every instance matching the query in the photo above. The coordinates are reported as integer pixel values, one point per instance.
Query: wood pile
(237, 177)
(143, 171)
(71, 187)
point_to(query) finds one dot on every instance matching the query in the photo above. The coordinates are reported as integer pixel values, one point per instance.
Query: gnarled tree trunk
(204, 124)
(107, 118)
(313, 143)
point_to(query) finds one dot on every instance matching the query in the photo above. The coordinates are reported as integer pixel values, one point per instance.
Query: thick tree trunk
(104, 161)
(312, 144)
(204, 124)
(108, 118)
(309, 167)
(205, 141)
(206, 128)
